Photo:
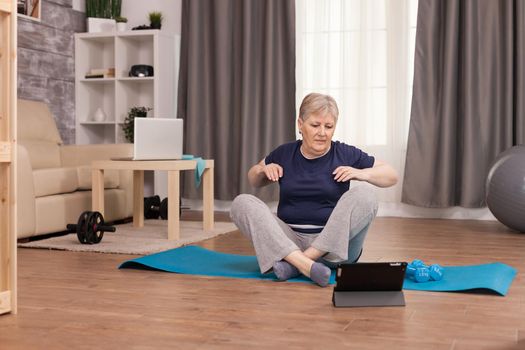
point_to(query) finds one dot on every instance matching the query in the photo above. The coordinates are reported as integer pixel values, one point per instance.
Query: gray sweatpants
(273, 239)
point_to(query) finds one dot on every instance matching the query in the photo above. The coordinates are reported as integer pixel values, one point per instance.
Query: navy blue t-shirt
(308, 192)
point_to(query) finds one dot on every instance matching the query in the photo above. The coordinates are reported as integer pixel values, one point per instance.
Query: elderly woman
(320, 220)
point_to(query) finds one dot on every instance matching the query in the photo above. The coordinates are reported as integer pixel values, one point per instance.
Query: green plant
(103, 8)
(121, 19)
(155, 19)
(129, 123)
(115, 8)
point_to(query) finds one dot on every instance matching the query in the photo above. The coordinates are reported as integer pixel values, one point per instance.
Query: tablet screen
(374, 276)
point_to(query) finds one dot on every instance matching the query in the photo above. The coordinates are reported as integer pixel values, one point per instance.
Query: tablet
(369, 284)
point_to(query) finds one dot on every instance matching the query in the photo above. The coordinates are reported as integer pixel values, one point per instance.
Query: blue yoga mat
(194, 260)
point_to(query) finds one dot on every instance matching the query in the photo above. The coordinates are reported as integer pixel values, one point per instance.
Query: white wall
(137, 12)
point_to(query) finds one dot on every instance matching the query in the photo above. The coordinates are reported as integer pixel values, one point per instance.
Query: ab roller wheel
(90, 227)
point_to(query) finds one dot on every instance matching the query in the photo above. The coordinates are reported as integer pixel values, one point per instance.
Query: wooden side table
(173, 167)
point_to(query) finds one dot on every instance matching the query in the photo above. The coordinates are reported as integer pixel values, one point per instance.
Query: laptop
(157, 139)
(369, 284)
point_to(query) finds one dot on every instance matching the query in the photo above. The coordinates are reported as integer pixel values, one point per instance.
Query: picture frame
(30, 9)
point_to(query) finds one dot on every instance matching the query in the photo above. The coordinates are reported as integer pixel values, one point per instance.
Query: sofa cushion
(35, 122)
(42, 154)
(111, 178)
(54, 181)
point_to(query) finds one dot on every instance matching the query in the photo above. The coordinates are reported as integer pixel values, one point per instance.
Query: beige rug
(151, 238)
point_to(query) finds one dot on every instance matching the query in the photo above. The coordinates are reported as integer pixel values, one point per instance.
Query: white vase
(99, 115)
(121, 26)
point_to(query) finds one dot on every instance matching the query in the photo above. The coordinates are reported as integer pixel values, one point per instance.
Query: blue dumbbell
(436, 272)
(411, 270)
(418, 263)
(411, 267)
(424, 273)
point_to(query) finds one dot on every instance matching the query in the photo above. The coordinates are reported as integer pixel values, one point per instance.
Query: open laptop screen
(158, 138)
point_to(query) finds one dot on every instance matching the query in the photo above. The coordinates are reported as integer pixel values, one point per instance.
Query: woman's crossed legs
(288, 252)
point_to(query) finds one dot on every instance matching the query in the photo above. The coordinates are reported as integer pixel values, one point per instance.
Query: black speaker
(141, 70)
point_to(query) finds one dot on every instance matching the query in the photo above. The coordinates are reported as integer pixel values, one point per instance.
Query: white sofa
(54, 180)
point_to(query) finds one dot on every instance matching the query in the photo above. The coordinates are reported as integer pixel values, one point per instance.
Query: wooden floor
(71, 300)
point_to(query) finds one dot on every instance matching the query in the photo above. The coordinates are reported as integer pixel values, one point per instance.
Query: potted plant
(155, 19)
(129, 123)
(101, 14)
(121, 23)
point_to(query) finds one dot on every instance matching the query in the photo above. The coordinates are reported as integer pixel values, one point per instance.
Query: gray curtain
(236, 87)
(468, 103)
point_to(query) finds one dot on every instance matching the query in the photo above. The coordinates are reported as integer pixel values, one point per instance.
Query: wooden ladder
(8, 100)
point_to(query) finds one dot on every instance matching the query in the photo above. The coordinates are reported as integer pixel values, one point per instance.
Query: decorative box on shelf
(95, 25)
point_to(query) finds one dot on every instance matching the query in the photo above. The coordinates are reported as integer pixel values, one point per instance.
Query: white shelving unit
(115, 96)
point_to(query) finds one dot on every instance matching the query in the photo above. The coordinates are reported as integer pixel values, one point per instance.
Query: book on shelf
(94, 76)
(100, 73)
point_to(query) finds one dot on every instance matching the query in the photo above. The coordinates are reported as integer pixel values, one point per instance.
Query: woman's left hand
(346, 173)
(381, 174)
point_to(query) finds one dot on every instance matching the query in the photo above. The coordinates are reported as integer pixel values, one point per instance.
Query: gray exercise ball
(505, 188)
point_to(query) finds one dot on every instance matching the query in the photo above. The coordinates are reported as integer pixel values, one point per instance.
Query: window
(361, 52)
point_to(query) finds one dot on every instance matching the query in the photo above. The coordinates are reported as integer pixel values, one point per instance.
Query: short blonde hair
(315, 103)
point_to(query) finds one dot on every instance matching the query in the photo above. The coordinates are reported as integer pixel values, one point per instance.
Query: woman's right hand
(262, 174)
(273, 171)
